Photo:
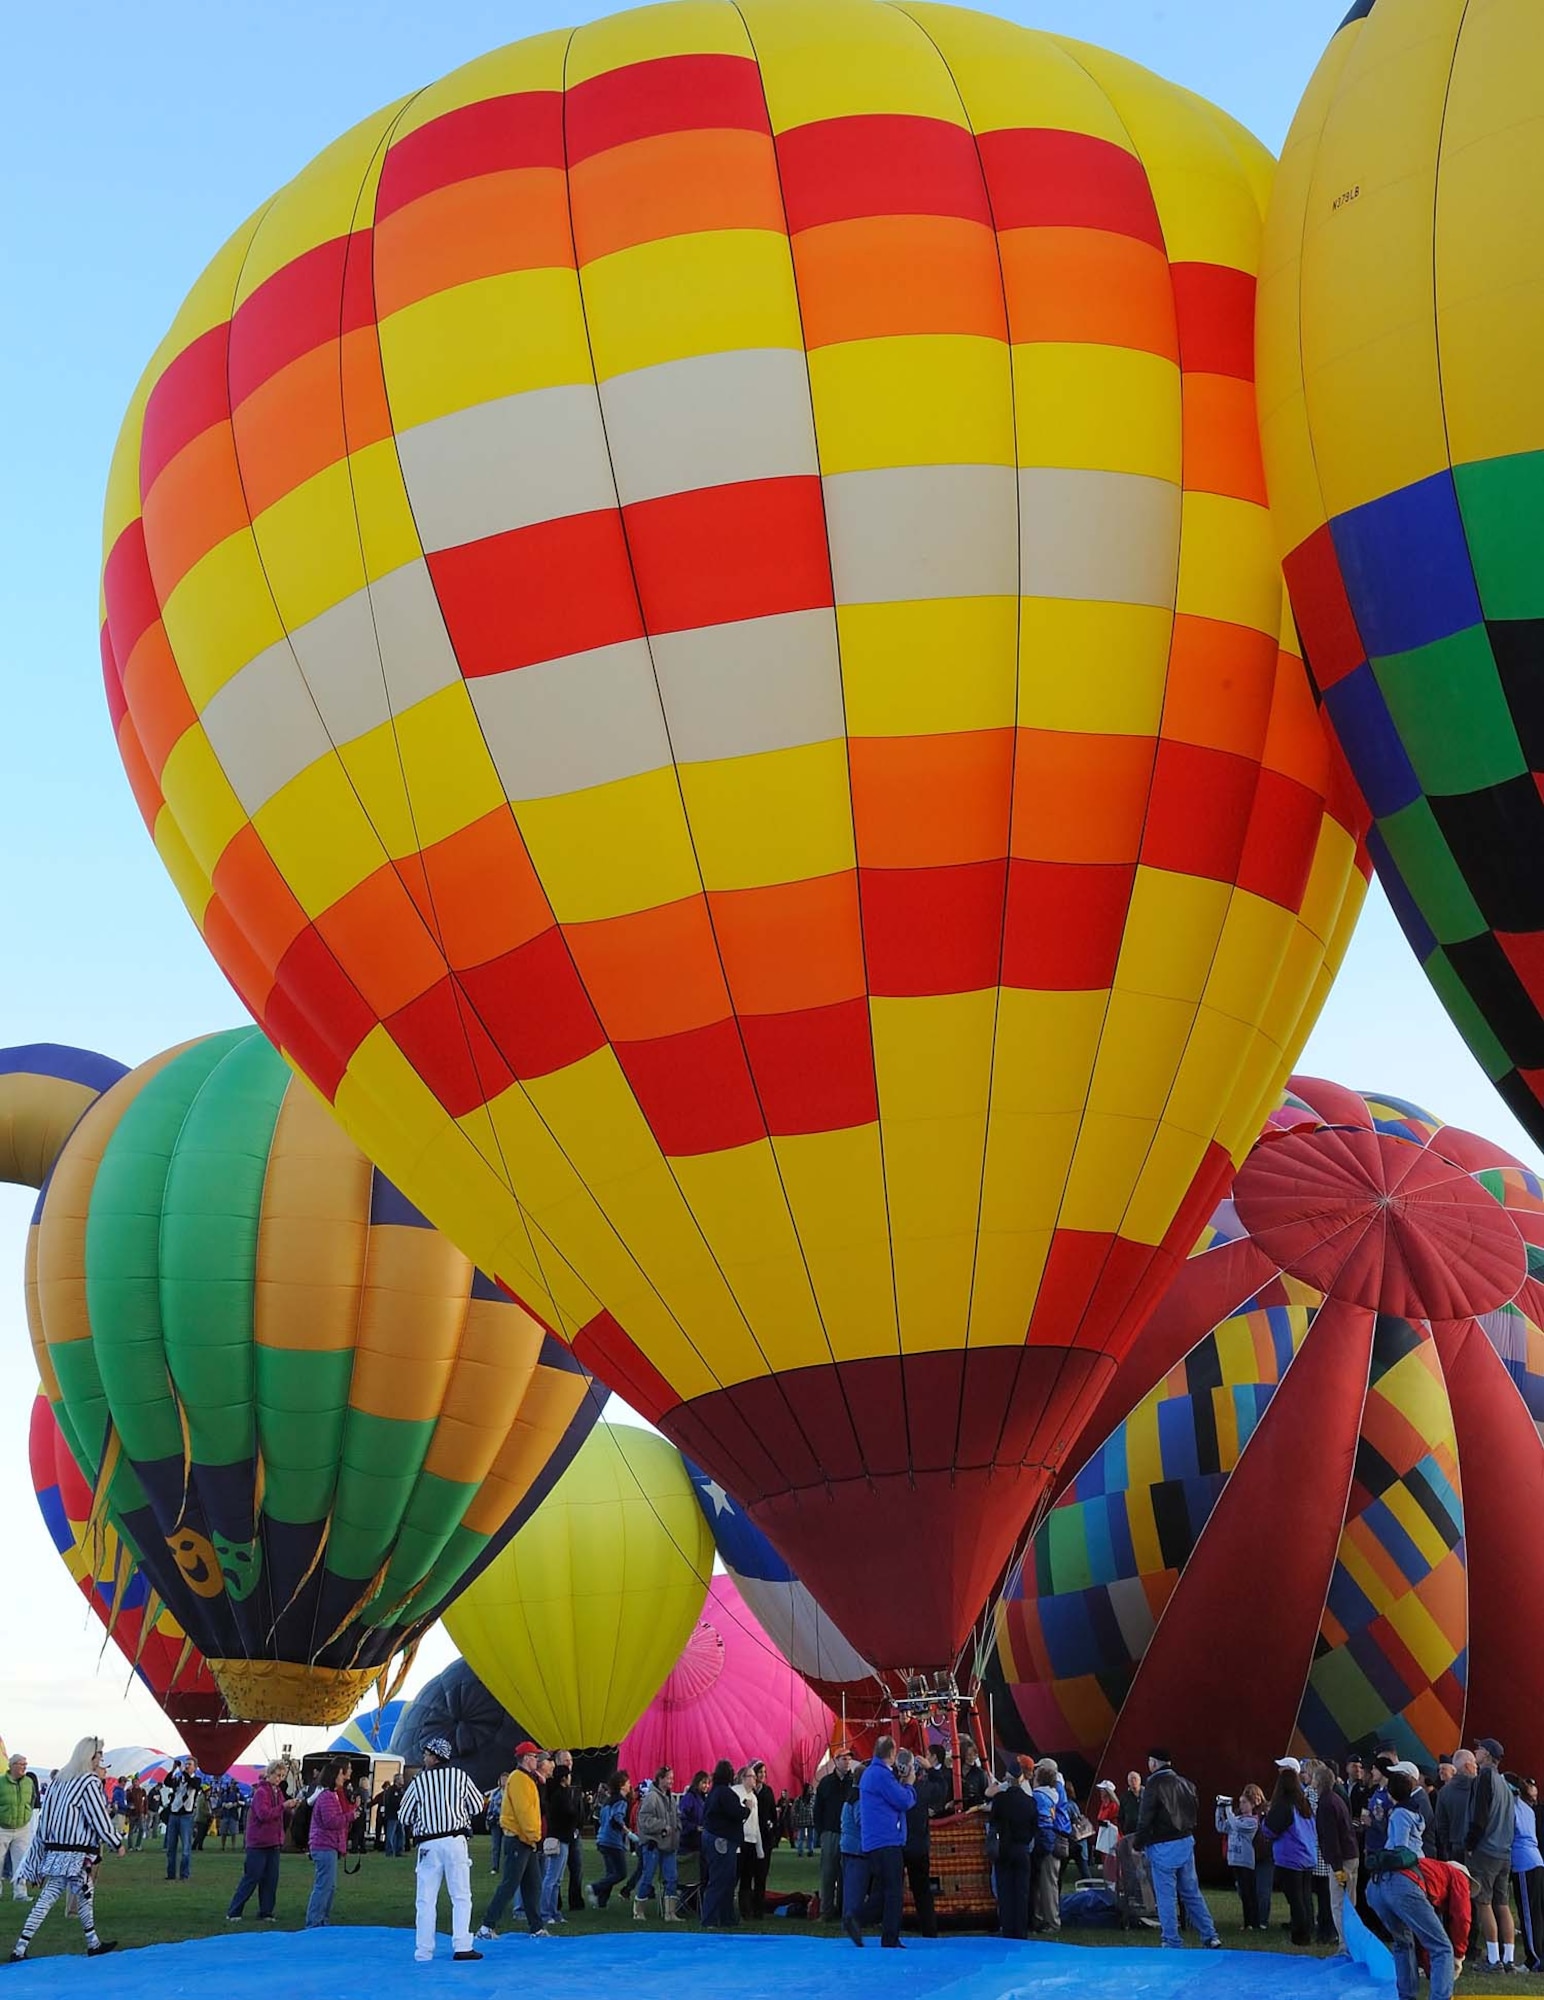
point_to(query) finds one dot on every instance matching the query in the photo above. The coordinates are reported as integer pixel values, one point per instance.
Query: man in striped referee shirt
(437, 1810)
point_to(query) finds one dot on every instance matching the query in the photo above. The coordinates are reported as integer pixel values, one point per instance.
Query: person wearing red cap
(520, 1817)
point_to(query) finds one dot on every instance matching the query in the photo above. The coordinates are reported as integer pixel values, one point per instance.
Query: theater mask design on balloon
(692, 613)
(1306, 1515)
(307, 1413)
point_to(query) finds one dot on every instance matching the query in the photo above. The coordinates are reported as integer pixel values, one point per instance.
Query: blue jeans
(614, 1861)
(522, 1872)
(179, 1845)
(495, 1847)
(325, 1861)
(261, 1873)
(1173, 1865)
(552, 1885)
(1409, 1919)
(394, 1835)
(664, 1865)
(720, 1871)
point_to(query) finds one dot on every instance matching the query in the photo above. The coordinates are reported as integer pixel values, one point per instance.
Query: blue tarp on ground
(648, 1965)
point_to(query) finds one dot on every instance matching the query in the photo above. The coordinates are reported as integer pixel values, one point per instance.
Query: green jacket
(18, 1799)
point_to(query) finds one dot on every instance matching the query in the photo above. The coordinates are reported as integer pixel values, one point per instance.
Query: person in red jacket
(265, 1838)
(1447, 1890)
(332, 1814)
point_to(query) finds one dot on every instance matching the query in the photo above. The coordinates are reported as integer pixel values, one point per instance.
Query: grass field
(138, 1906)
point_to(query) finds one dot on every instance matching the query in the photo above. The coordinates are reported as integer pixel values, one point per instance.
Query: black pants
(886, 1891)
(1249, 1902)
(1324, 1917)
(1012, 1872)
(718, 1896)
(1296, 1885)
(576, 1873)
(522, 1870)
(919, 1873)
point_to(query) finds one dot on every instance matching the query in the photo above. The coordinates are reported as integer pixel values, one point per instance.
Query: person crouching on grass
(439, 1809)
(72, 1829)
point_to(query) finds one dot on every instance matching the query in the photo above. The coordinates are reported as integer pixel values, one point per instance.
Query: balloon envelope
(456, 1705)
(692, 613)
(311, 1416)
(371, 1731)
(730, 1694)
(1332, 1471)
(576, 1622)
(1401, 319)
(120, 1595)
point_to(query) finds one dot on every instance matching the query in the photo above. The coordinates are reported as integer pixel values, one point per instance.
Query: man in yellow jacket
(520, 1820)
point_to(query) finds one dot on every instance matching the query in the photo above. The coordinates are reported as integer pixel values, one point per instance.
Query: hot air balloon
(692, 613)
(456, 1705)
(371, 1731)
(305, 1411)
(576, 1622)
(731, 1694)
(1333, 1453)
(1401, 318)
(111, 1582)
(791, 1619)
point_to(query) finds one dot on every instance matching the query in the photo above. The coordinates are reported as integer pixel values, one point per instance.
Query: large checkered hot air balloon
(692, 613)
(1402, 410)
(1308, 1513)
(305, 1411)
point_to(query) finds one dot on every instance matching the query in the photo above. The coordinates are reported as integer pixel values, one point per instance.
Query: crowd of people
(1425, 1857)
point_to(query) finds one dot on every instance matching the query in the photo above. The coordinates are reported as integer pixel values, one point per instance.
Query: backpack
(300, 1825)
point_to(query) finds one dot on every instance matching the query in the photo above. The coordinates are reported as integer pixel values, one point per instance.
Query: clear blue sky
(136, 137)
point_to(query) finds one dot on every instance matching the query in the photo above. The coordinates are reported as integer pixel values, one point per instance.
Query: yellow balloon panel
(578, 1620)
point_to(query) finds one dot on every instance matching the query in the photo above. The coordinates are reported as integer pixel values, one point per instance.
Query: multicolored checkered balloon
(692, 612)
(1402, 410)
(1305, 1520)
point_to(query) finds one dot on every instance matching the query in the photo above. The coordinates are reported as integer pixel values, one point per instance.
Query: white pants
(445, 1859)
(15, 1840)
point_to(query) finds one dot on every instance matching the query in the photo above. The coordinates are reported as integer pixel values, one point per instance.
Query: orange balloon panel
(692, 613)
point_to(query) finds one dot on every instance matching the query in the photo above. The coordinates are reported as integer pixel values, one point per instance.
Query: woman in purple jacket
(265, 1837)
(332, 1812)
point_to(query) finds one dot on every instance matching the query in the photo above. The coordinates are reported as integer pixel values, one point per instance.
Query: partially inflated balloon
(1327, 1465)
(143, 1630)
(575, 1624)
(1402, 409)
(692, 612)
(306, 1411)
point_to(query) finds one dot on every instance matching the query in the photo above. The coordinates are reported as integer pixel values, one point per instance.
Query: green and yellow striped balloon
(310, 1414)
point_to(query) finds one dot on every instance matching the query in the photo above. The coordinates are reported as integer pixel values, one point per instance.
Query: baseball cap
(1490, 1746)
(1105, 1785)
(1408, 1769)
(1159, 1756)
(527, 1749)
(1289, 1764)
(438, 1747)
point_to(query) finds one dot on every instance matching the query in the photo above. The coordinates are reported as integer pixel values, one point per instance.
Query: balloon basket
(288, 1691)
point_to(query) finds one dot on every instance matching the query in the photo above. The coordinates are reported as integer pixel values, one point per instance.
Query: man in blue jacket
(883, 1803)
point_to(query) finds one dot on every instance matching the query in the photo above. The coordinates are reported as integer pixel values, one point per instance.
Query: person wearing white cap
(1289, 1825)
(1105, 1805)
(1395, 1895)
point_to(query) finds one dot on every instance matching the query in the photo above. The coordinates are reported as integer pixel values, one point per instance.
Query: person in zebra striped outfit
(67, 1843)
(439, 1809)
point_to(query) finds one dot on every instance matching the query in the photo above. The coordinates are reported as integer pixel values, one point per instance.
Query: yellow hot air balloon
(577, 1621)
(692, 612)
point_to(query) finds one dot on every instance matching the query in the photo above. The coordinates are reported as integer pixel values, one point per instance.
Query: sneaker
(485, 1935)
(100, 1949)
(463, 1955)
(541, 1933)
(1214, 1944)
(18, 1956)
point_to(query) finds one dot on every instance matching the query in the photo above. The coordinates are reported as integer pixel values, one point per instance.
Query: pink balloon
(731, 1694)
